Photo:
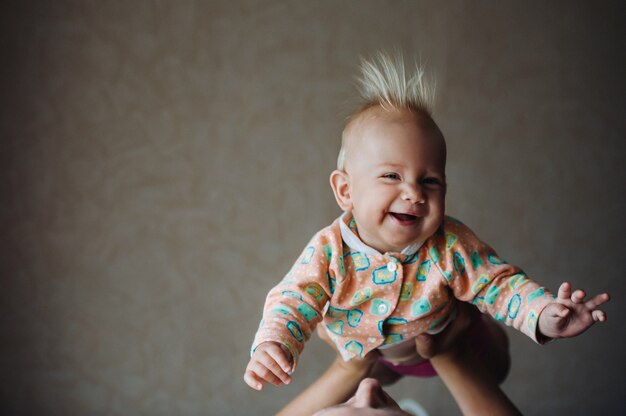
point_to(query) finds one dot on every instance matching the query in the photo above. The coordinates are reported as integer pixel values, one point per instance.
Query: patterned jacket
(367, 299)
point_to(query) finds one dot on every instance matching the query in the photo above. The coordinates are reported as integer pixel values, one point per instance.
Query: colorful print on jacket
(369, 300)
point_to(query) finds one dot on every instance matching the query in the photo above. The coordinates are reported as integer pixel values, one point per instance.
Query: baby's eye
(391, 175)
(431, 182)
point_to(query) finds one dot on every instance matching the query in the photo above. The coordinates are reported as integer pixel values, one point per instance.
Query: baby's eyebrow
(389, 165)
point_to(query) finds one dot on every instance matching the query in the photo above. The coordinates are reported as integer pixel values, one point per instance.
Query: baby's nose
(413, 194)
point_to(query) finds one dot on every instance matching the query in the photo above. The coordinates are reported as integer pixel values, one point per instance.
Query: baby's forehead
(377, 117)
(364, 125)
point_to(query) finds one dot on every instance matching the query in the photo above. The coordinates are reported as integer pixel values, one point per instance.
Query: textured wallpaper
(164, 162)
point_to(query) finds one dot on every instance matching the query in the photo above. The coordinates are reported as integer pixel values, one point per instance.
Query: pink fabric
(421, 369)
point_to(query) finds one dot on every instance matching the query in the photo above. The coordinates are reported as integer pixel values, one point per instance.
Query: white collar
(355, 243)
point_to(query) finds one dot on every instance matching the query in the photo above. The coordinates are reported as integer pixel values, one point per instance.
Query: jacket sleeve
(295, 306)
(476, 274)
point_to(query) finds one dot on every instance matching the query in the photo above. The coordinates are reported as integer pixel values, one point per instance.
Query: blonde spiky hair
(384, 82)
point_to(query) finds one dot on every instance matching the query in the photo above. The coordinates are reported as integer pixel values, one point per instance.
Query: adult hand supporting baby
(335, 386)
(471, 380)
(570, 315)
(342, 378)
(430, 345)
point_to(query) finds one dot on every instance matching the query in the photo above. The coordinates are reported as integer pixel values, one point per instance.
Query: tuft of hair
(384, 81)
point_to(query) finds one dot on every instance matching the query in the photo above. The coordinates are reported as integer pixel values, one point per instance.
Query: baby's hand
(569, 315)
(270, 362)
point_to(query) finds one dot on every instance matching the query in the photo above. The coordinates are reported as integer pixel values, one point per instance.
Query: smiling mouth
(404, 218)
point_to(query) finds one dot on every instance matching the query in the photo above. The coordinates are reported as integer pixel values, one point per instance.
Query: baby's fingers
(598, 315)
(578, 296)
(253, 380)
(565, 291)
(262, 375)
(597, 300)
(275, 365)
(279, 356)
(265, 371)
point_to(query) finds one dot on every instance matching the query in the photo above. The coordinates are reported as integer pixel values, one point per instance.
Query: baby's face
(395, 164)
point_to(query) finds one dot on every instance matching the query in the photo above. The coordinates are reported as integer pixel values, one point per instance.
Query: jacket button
(382, 308)
(392, 267)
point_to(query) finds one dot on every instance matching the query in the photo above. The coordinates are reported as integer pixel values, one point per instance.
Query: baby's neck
(351, 236)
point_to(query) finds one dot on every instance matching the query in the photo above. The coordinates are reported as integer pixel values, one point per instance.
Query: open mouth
(404, 218)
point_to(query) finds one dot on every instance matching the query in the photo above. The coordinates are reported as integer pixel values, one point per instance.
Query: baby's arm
(570, 315)
(270, 363)
(292, 310)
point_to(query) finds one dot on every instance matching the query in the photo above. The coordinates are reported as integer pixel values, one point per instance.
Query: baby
(393, 265)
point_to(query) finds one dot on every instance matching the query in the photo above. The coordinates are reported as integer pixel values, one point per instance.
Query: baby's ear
(340, 182)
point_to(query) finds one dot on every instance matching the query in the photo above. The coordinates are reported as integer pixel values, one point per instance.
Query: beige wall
(164, 162)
